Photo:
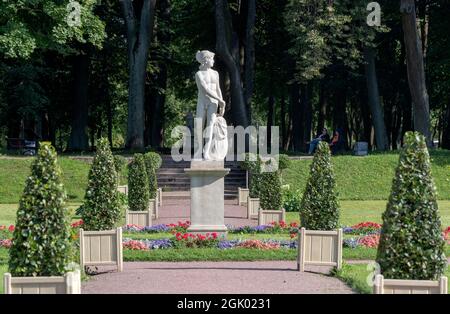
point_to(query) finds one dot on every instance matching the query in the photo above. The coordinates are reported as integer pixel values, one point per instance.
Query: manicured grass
(370, 177)
(358, 178)
(353, 212)
(238, 254)
(14, 171)
(356, 276)
(3, 265)
(8, 213)
(210, 254)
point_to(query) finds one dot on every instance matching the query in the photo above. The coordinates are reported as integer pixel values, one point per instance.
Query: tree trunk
(297, 137)
(340, 114)
(283, 121)
(307, 107)
(270, 120)
(139, 34)
(323, 103)
(78, 138)
(239, 112)
(415, 70)
(446, 132)
(109, 114)
(405, 100)
(249, 64)
(157, 117)
(374, 100)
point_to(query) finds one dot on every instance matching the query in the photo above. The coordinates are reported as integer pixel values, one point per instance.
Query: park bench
(23, 146)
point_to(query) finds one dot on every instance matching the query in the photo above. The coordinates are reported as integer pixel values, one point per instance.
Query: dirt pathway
(275, 277)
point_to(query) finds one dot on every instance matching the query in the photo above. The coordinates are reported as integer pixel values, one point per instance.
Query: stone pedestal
(207, 196)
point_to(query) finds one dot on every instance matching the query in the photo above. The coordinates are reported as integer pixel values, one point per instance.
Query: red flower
(11, 228)
(77, 224)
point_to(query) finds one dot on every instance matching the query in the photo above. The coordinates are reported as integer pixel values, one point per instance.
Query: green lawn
(358, 178)
(13, 173)
(353, 212)
(356, 276)
(369, 177)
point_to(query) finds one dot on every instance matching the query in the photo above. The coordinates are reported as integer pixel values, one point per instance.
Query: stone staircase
(171, 178)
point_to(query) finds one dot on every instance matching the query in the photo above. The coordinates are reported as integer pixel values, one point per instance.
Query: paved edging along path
(272, 277)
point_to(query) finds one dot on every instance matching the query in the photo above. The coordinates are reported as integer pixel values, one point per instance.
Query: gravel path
(174, 210)
(273, 277)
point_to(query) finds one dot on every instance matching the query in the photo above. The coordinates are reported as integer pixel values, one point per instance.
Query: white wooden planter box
(101, 248)
(265, 217)
(70, 283)
(138, 218)
(154, 208)
(252, 207)
(243, 194)
(123, 189)
(159, 196)
(399, 286)
(320, 248)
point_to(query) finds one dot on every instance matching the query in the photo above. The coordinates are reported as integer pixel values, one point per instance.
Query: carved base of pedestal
(207, 197)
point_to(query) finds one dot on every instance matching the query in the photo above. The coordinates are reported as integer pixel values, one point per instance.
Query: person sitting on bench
(320, 137)
(335, 142)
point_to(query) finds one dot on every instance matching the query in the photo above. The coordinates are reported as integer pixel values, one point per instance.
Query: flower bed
(197, 241)
(447, 235)
(162, 228)
(363, 228)
(368, 232)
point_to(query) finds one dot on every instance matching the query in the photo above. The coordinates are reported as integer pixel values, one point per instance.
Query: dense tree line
(125, 71)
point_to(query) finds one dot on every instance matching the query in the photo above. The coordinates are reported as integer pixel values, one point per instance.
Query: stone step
(171, 177)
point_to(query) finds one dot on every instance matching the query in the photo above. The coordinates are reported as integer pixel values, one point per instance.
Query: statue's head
(205, 58)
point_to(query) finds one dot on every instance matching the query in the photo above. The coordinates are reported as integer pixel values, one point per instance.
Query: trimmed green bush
(41, 245)
(152, 163)
(291, 199)
(411, 243)
(138, 186)
(264, 184)
(119, 163)
(283, 161)
(251, 163)
(319, 208)
(101, 207)
(269, 186)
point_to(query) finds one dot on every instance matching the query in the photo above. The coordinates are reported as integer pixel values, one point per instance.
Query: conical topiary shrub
(41, 245)
(269, 186)
(152, 163)
(319, 208)
(411, 243)
(138, 190)
(101, 207)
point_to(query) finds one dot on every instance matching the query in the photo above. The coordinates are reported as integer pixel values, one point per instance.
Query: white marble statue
(209, 101)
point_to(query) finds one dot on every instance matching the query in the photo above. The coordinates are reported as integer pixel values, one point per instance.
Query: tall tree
(224, 38)
(78, 137)
(415, 69)
(139, 20)
(374, 99)
(249, 66)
